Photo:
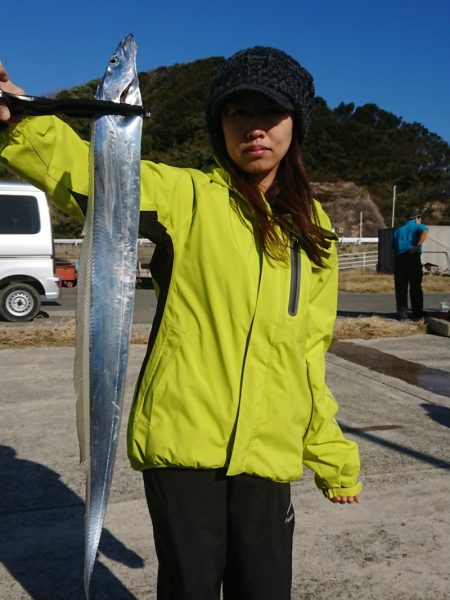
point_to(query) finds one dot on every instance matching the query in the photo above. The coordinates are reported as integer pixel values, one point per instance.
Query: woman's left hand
(346, 499)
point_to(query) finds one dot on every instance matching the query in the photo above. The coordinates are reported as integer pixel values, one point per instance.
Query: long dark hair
(292, 210)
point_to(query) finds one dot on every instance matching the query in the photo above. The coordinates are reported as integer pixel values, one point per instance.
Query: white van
(26, 252)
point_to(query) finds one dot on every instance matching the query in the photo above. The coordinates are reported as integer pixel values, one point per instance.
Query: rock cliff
(344, 202)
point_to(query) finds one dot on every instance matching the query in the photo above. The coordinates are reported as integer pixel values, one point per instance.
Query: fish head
(120, 81)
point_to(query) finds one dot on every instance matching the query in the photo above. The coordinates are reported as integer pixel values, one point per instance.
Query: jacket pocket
(157, 368)
(294, 291)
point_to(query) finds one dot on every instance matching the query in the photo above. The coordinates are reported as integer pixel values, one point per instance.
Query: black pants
(408, 272)
(209, 529)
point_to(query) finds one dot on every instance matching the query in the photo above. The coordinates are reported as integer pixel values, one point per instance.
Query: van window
(19, 215)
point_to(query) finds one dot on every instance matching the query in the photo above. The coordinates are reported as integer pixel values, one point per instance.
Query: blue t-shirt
(407, 236)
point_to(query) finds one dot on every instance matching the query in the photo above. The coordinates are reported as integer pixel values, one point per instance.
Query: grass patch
(371, 282)
(38, 333)
(47, 333)
(62, 333)
(367, 328)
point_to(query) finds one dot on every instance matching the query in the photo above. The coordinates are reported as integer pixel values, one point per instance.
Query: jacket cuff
(347, 491)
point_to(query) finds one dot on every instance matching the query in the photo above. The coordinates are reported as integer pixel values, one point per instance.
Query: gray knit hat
(269, 71)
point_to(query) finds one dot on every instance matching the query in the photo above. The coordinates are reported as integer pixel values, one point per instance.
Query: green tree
(366, 144)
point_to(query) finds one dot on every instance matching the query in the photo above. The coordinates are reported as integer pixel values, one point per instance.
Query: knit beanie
(269, 71)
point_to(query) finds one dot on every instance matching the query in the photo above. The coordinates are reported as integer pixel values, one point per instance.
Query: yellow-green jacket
(235, 372)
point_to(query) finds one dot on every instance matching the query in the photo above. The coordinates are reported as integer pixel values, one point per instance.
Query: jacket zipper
(294, 293)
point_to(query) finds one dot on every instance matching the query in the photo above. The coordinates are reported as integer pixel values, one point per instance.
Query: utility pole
(394, 195)
(360, 225)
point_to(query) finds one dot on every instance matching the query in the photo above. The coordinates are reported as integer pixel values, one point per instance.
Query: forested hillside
(366, 145)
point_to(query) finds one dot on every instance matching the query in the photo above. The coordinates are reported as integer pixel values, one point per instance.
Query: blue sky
(395, 53)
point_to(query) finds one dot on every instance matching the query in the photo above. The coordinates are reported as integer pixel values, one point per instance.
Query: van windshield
(19, 215)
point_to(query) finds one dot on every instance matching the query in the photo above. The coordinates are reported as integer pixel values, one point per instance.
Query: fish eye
(114, 61)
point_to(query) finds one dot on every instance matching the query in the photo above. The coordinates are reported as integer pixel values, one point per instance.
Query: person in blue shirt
(407, 243)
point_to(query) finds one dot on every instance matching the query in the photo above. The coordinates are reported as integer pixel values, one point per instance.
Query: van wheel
(19, 302)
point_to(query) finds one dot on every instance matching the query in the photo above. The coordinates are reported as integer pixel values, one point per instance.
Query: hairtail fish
(106, 287)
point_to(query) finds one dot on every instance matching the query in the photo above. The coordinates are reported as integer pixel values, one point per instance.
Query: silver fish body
(106, 288)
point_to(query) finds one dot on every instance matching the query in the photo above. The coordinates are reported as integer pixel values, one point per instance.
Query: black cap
(269, 71)
(412, 214)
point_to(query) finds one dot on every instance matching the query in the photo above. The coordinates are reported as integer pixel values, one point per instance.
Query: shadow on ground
(41, 533)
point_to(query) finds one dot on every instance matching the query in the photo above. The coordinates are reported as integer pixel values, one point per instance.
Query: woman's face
(257, 135)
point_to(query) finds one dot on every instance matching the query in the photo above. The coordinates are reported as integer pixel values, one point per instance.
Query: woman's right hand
(7, 86)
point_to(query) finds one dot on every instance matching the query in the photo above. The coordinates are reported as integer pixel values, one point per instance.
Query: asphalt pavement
(393, 546)
(349, 304)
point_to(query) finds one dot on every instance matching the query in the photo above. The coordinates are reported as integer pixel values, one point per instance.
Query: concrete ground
(394, 546)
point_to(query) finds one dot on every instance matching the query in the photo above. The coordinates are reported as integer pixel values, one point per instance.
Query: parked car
(26, 252)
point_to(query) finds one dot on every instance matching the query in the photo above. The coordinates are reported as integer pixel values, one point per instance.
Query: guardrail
(358, 240)
(141, 242)
(351, 260)
(358, 260)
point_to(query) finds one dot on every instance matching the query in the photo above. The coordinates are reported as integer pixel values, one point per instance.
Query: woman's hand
(346, 499)
(7, 86)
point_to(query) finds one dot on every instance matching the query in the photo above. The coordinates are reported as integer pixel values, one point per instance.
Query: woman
(231, 400)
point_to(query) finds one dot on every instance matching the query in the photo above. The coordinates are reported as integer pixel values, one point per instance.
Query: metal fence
(358, 260)
(351, 260)
(78, 242)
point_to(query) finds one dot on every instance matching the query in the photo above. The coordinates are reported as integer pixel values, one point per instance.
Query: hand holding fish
(14, 105)
(7, 86)
(106, 278)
